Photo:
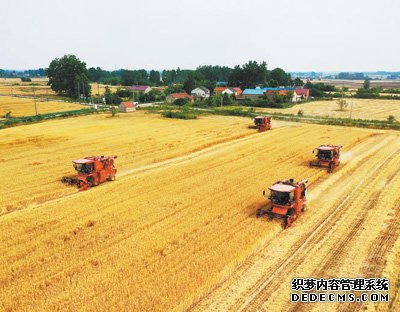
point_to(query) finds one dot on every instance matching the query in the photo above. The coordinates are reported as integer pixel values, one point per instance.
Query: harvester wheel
(304, 208)
(291, 212)
(288, 222)
(331, 167)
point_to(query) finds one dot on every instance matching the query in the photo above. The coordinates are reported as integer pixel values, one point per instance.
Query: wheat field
(179, 219)
(26, 106)
(362, 108)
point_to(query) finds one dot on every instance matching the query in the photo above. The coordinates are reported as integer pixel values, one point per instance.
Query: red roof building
(220, 89)
(174, 96)
(127, 107)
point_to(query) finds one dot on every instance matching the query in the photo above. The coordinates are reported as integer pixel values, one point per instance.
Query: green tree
(391, 119)
(366, 84)
(273, 83)
(155, 77)
(190, 83)
(69, 76)
(174, 88)
(298, 82)
(280, 76)
(111, 98)
(249, 75)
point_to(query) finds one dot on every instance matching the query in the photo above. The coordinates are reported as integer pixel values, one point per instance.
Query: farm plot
(26, 106)
(178, 227)
(15, 86)
(362, 109)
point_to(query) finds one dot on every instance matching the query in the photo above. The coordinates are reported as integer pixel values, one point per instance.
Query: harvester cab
(262, 123)
(287, 201)
(92, 171)
(328, 156)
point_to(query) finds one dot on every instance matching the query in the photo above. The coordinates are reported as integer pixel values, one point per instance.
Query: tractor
(262, 123)
(92, 171)
(287, 201)
(327, 157)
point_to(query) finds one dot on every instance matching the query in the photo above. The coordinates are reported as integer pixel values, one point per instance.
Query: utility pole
(98, 93)
(34, 99)
(79, 93)
(351, 108)
(83, 90)
(343, 91)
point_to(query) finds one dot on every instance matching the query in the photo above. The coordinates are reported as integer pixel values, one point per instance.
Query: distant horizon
(269, 68)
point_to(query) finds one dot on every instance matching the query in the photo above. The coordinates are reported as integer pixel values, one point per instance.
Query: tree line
(249, 75)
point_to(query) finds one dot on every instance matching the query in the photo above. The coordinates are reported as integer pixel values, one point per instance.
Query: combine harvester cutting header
(287, 201)
(262, 123)
(327, 157)
(92, 171)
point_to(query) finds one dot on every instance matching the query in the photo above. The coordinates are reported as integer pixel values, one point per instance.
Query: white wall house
(200, 92)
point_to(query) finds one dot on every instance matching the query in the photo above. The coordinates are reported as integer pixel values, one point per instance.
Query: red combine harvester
(287, 201)
(92, 171)
(262, 123)
(327, 156)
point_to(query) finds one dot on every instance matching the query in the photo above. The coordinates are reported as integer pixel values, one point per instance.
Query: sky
(308, 35)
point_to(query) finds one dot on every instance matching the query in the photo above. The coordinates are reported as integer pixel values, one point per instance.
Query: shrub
(391, 119)
(26, 79)
(300, 112)
(179, 115)
(123, 93)
(181, 102)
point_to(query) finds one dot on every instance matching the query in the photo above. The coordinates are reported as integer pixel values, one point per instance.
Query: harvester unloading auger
(287, 201)
(327, 156)
(92, 171)
(262, 123)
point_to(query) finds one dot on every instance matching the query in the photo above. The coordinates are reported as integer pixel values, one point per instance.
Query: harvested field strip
(185, 225)
(261, 284)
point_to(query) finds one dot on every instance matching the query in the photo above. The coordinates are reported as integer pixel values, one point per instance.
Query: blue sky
(308, 35)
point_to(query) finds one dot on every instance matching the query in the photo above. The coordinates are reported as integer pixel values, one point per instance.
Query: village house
(302, 94)
(140, 89)
(227, 90)
(252, 93)
(200, 92)
(127, 107)
(232, 91)
(174, 96)
(219, 89)
(298, 94)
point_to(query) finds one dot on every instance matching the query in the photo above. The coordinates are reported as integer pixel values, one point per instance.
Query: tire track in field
(340, 249)
(375, 261)
(297, 258)
(368, 148)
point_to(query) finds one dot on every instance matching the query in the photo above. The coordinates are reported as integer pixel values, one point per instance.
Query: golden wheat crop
(362, 108)
(176, 222)
(40, 88)
(26, 106)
